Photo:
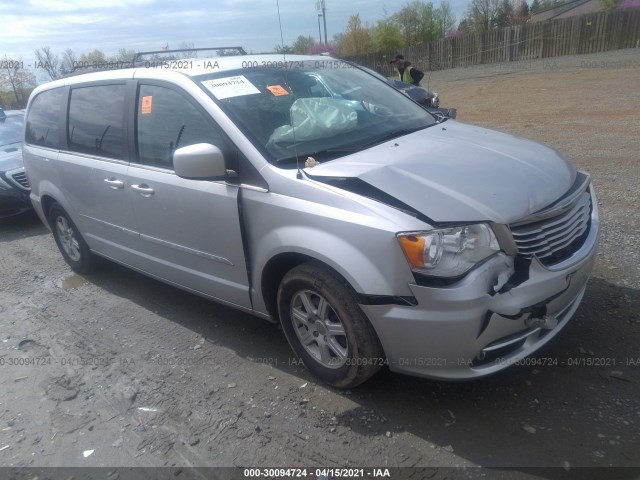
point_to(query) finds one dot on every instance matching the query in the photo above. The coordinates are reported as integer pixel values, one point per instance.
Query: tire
(339, 345)
(72, 246)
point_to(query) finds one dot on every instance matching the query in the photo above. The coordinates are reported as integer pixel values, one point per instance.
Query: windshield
(324, 108)
(11, 130)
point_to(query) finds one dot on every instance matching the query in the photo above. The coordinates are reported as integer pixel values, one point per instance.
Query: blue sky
(84, 25)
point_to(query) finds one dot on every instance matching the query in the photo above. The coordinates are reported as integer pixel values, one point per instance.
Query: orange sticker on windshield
(277, 90)
(147, 105)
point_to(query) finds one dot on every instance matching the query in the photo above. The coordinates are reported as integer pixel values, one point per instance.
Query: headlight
(448, 252)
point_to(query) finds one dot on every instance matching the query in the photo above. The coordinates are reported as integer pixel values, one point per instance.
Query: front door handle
(143, 189)
(114, 183)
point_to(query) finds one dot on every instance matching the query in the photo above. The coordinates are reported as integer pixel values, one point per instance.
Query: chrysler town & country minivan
(309, 192)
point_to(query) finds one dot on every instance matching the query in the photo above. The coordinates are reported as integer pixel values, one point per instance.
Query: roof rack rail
(221, 51)
(80, 67)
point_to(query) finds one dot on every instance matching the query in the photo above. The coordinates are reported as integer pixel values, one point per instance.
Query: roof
(564, 8)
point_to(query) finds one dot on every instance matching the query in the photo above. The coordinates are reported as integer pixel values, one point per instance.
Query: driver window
(167, 120)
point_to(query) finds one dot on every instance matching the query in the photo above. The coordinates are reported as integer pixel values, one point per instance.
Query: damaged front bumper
(468, 330)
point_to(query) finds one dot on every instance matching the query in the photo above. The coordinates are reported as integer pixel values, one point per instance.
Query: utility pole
(320, 6)
(319, 32)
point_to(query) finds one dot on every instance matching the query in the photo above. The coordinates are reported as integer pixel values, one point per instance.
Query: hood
(454, 172)
(10, 156)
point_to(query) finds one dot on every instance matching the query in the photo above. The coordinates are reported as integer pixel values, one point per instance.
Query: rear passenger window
(96, 120)
(166, 121)
(44, 119)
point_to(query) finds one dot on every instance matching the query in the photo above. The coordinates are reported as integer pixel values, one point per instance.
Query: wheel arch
(278, 266)
(50, 194)
(388, 276)
(47, 201)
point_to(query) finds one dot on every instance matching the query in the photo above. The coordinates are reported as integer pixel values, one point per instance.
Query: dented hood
(454, 172)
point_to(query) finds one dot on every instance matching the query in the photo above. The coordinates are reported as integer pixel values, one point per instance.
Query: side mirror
(199, 161)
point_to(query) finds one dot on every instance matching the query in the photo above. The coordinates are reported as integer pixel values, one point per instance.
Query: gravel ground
(117, 370)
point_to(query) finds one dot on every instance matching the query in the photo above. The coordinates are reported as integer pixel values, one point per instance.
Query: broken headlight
(448, 252)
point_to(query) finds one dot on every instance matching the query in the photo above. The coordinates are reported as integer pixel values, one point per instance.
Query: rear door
(93, 168)
(189, 229)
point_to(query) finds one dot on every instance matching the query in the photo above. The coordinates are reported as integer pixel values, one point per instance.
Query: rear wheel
(326, 328)
(74, 249)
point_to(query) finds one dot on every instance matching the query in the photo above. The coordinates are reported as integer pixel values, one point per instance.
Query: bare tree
(48, 61)
(187, 46)
(481, 14)
(446, 16)
(69, 61)
(19, 80)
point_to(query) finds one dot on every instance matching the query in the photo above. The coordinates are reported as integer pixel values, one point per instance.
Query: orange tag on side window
(277, 90)
(147, 105)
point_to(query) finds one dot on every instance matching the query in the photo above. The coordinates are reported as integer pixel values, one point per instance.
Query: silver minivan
(309, 192)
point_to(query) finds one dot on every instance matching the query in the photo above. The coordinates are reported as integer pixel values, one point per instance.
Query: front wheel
(74, 249)
(326, 328)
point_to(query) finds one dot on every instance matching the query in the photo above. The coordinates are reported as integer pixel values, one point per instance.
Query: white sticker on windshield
(230, 87)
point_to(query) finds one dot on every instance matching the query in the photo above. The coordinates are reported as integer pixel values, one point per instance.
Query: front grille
(555, 239)
(20, 178)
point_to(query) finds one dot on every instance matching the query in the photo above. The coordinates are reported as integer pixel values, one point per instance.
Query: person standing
(408, 74)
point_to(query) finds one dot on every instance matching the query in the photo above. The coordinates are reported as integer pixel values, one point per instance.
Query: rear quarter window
(43, 119)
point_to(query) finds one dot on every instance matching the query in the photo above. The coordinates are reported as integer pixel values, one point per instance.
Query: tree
(445, 16)
(48, 61)
(523, 13)
(481, 15)
(387, 36)
(535, 6)
(609, 4)
(69, 61)
(18, 81)
(356, 39)
(125, 56)
(283, 49)
(186, 46)
(303, 44)
(337, 41)
(418, 22)
(505, 14)
(465, 26)
(95, 57)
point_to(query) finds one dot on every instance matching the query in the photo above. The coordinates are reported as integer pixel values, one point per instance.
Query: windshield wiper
(438, 115)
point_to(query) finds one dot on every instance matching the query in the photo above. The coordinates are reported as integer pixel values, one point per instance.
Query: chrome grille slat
(546, 250)
(576, 224)
(549, 239)
(580, 215)
(564, 244)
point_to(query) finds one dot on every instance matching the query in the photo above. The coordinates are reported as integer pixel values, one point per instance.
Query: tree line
(420, 21)
(416, 22)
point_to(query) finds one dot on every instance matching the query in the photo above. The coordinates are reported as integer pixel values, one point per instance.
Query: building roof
(565, 9)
